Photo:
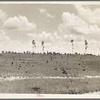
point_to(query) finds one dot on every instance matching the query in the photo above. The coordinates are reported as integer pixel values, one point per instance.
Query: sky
(55, 24)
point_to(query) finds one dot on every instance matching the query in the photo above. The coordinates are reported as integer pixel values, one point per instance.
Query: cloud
(42, 10)
(3, 36)
(74, 26)
(85, 24)
(49, 15)
(90, 16)
(8, 44)
(45, 12)
(74, 37)
(3, 14)
(14, 45)
(46, 36)
(20, 23)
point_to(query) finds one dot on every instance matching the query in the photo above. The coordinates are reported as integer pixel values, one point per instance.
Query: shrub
(79, 64)
(55, 68)
(47, 61)
(12, 63)
(26, 71)
(84, 69)
(36, 88)
(18, 68)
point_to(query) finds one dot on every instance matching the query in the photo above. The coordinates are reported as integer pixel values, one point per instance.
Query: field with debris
(49, 73)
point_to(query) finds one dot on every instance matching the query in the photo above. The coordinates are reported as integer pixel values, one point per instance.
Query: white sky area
(56, 24)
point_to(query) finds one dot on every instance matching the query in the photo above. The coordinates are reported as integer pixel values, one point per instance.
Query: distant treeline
(52, 53)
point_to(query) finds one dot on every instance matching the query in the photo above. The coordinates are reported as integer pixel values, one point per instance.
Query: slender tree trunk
(72, 48)
(85, 50)
(33, 49)
(43, 48)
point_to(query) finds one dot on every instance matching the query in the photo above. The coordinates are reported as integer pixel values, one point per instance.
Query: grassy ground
(49, 65)
(51, 86)
(55, 65)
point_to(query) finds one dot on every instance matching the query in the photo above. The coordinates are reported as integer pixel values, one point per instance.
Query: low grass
(50, 86)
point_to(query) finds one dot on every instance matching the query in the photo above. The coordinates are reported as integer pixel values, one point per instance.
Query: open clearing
(49, 73)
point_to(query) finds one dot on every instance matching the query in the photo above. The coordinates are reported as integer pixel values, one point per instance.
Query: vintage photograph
(50, 48)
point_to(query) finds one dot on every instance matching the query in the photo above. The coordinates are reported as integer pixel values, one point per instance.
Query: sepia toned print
(49, 48)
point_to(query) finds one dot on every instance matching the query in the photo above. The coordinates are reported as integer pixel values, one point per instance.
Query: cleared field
(49, 65)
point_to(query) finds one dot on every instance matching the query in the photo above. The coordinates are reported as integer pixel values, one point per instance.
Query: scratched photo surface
(50, 48)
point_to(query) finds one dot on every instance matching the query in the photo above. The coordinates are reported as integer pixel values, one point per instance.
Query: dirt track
(12, 78)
